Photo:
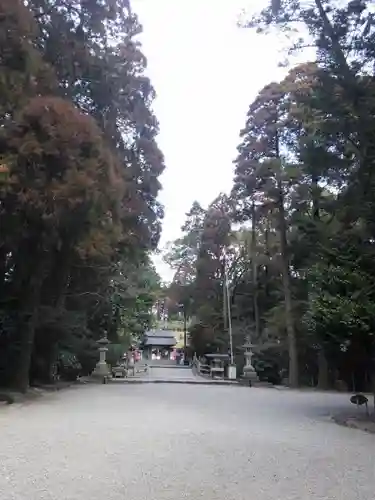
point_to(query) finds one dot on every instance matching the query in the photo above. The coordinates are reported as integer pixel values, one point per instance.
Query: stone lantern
(249, 373)
(101, 368)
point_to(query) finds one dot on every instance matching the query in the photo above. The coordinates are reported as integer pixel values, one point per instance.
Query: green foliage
(297, 233)
(78, 205)
(342, 299)
(322, 115)
(69, 367)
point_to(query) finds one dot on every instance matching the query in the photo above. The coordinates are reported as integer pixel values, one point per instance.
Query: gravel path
(166, 442)
(172, 373)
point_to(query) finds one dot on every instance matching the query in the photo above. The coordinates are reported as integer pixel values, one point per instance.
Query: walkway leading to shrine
(165, 371)
(171, 442)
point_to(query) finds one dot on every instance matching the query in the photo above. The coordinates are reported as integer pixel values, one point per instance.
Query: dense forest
(79, 178)
(79, 182)
(295, 235)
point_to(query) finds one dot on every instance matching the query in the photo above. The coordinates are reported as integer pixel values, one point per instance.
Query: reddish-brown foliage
(62, 175)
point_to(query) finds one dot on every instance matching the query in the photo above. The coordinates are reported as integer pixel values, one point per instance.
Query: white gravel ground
(166, 442)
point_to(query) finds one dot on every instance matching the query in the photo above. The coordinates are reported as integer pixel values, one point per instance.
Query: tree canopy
(80, 168)
(298, 243)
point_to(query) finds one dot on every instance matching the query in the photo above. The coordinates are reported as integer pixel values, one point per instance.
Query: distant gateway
(158, 344)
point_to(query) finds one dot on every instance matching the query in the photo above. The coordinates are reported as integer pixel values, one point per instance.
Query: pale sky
(206, 71)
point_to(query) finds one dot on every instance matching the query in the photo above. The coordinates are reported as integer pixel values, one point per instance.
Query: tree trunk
(336, 50)
(255, 271)
(62, 275)
(3, 256)
(225, 312)
(28, 316)
(292, 341)
(53, 294)
(29, 274)
(373, 379)
(322, 370)
(185, 332)
(322, 360)
(315, 199)
(268, 255)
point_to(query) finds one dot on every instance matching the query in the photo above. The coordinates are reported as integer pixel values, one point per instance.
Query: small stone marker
(359, 400)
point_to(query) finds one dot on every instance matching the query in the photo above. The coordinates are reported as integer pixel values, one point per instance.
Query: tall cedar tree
(263, 173)
(63, 185)
(66, 49)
